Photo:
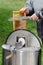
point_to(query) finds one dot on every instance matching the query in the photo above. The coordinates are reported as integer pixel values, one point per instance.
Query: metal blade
(24, 18)
(10, 19)
(19, 18)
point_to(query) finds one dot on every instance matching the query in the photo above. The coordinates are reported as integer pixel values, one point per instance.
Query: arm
(28, 7)
(37, 15)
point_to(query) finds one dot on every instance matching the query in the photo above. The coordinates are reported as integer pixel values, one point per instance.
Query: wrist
(27, 11)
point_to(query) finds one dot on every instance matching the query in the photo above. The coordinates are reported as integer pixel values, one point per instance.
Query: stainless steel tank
(28, 53)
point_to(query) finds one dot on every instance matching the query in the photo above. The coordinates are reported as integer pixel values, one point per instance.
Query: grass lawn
(6, 8)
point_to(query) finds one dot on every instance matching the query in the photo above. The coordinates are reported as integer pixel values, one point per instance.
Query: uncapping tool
(20, 18)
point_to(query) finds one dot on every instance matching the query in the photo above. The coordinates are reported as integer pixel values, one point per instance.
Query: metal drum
(22, 48)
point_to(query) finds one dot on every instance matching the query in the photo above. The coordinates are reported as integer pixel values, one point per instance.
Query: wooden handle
(9, 56)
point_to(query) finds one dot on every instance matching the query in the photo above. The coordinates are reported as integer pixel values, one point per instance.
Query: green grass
(6, 8)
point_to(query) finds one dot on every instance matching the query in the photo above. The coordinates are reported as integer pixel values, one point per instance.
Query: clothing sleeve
(39, 13)
(29, 5)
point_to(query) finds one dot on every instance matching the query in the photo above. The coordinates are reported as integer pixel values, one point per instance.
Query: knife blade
(19, 18)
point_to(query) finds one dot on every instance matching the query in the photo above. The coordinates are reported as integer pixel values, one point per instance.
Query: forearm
(39, 12)
(27, 8)
(29, 5)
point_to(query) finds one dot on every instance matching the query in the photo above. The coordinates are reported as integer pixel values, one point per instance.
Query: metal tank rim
(24, 30)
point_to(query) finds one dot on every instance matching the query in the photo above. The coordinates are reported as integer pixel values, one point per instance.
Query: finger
(31, 18)
(22, 10)
(36, 18)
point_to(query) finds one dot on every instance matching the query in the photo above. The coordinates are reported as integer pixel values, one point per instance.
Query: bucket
(28, 54)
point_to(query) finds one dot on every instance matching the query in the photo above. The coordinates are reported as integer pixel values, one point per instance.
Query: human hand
(24, 10)
(34, 17)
